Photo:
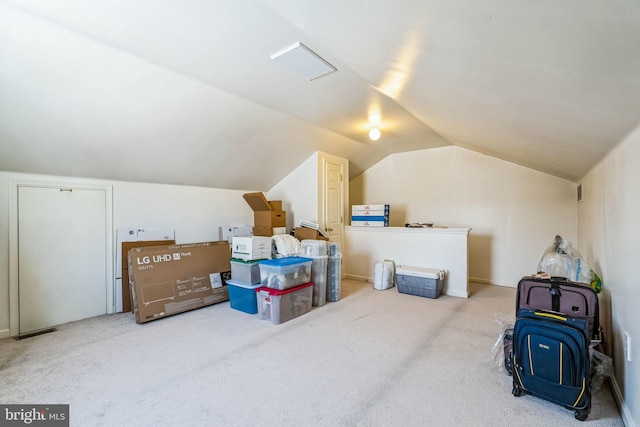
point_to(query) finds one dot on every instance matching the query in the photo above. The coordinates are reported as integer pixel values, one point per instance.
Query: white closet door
(334, 196)
(62, 248)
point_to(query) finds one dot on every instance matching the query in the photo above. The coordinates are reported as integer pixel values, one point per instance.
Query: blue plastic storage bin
(243, 296)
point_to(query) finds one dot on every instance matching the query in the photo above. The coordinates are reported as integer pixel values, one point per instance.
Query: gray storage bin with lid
(247, 272)
(421, 281)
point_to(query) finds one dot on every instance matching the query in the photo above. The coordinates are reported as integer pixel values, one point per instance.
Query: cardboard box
(251, 248)
(304, 233)
(270, 218)
(372, 212)
(258, 202)
(127, 301)
(370, 215)
(369, 218)
(266, 213)
(269, 231)
(355, 208)
(122, 295)
(276, 205)
(369, 223)
(263, 231)
(167, 280)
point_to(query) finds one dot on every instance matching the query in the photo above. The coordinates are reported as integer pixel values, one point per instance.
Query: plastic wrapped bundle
(334, 249)
(317, 251)
(334, 278)
(384, 274)
(319, 279)
(562, 259)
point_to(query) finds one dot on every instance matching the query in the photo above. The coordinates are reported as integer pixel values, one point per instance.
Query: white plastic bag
(562, 259)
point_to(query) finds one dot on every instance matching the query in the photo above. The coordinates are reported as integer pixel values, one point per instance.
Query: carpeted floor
(374, 358)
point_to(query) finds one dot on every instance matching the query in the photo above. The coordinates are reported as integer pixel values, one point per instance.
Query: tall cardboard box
(265, 213)
(126, 288)
(167, 280)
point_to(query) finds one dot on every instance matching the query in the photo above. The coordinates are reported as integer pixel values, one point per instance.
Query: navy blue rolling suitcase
(551, 359)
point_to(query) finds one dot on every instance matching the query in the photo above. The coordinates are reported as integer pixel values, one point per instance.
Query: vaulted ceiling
(186, 92)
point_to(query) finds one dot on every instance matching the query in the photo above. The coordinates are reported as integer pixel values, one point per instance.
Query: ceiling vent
(304, 61)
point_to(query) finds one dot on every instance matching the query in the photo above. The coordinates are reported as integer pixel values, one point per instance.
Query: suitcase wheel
(517, 392)
(581, 415)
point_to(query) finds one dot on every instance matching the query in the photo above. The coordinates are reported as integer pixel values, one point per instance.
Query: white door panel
(334, 194)
(62, 253)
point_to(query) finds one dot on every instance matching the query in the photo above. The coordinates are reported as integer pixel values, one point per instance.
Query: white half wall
(513, 212)
(609, 227)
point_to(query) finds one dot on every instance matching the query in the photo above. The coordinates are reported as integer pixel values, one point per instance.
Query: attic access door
(63, 249)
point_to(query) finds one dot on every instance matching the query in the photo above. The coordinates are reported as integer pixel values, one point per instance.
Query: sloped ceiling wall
(186, 92)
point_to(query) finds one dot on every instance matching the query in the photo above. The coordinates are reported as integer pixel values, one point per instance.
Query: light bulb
(374, 134)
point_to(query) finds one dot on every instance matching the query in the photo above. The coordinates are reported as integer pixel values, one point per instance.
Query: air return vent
(579, 192)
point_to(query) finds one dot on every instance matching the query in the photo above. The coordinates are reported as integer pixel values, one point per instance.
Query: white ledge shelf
(441, 248)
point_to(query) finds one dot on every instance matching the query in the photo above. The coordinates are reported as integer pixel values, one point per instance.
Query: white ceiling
(185, 92)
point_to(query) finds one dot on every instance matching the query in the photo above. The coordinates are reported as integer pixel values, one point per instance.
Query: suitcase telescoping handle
(554, 290)
(556, 316)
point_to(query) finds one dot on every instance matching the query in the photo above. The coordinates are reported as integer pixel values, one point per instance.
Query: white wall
(609, 227)
(299, 193)
(514, 212)
(194, 212)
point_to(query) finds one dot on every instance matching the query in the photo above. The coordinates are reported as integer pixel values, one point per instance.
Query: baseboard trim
(359, 278)
(5, 333)
(488, 282)
(457, 294)
(624, 410)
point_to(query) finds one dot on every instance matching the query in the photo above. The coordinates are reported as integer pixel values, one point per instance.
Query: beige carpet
(374, 358)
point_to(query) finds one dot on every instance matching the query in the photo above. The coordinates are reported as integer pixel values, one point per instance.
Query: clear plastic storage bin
(247, 272)
(313, 248)
(280, 306)
(285, 273)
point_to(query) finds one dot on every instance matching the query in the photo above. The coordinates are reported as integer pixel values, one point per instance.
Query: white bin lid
(430, 273)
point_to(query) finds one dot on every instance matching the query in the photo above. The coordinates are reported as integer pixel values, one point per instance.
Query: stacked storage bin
(317, 251)
(370, 215)
(334, 272)
(245, 271)
(286, 290)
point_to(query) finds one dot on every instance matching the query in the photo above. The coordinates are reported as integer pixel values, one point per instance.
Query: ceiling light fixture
(304, 61)
(374, 126)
